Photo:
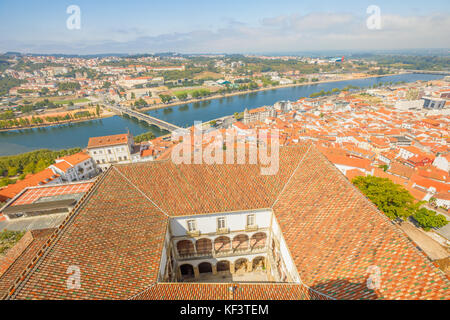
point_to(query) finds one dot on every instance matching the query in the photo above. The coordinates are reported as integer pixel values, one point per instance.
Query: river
(77, 134)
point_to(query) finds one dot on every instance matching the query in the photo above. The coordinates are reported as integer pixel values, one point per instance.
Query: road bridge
(144, 117)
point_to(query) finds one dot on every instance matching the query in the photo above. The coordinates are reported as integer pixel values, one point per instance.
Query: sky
(227, 26)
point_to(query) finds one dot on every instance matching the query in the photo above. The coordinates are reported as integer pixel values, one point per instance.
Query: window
(109, 151)
(192, 225)
(221, 223)
(251, 220)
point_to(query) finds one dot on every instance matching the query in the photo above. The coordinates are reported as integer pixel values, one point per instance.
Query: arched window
(223, 266)
(187, 271)
(258, 240)
(240, 242)
(203, 246)
(185, 247)
(222, 244)
(240, 265)
(259, 263)
(204, 267)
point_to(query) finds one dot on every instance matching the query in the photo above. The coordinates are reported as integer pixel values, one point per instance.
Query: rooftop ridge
(140, 191)
(290, 178)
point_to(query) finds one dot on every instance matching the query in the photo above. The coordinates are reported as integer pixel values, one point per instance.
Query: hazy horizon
(247, 27)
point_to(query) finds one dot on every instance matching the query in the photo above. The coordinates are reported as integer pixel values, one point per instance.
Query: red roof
(43, 177)
(75, 158)
(32, 194)
(333, 233)
(97, 142)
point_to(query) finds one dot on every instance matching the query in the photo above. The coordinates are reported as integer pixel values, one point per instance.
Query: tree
(428, 219)
(44, 92)
(144, 137)
(97, 110)
(29, 168)
(165, 98)
(182, 96)
(390, 198)
(12, 171)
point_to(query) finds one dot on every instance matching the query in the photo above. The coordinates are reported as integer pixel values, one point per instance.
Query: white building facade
(221, 244)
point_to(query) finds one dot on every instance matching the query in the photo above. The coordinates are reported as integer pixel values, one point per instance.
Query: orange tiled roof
(43, 177)
(28, 250)
(76, 158)
(334, 234)
(97, 142)
(32, 194)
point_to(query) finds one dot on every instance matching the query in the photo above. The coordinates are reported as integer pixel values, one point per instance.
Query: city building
(45, 200)
(45, 177)
(433, 103)
(76, 167)
(113, 149)
(259, 114)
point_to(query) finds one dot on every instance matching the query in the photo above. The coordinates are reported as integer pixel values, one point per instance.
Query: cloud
(296, 32)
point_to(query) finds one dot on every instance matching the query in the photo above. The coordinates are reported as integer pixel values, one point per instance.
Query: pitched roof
(18, 257)
(33, 194)
(76, 158)
(333, 233)
(97, 142)
(43, 177)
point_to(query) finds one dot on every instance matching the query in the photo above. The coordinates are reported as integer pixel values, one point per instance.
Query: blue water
(78, 134)
(185, 115)
(69, 135)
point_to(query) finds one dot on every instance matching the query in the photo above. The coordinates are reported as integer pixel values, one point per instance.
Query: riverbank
(233, 94)
(78, 134)
(107, 114)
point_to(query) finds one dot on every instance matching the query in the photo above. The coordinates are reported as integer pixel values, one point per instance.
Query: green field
(73, 100)
(188, 91)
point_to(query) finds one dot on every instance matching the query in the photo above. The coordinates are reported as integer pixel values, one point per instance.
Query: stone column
(196, 272)
(232, 270)
(214, 269)
(249, 266)
(179, 277)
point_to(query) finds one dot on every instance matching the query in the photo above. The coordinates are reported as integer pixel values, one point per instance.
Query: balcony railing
(221, 253)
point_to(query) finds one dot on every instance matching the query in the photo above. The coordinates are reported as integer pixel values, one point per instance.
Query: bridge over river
(144, 117)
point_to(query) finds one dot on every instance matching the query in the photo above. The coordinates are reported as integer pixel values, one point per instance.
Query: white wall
(208, 223)
(284, 252)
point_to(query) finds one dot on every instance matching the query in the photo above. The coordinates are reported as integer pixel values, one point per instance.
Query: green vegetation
(200, 93)
(238, 116)
(144, 137)
(428, 219)
(413, 62)
(165, 98)
(181, 96)
(6, 83)
(392, 199)
(31, 162)
(68, 86)
(8, 239)
(140, 103)
(73, 101)
(325, 93)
